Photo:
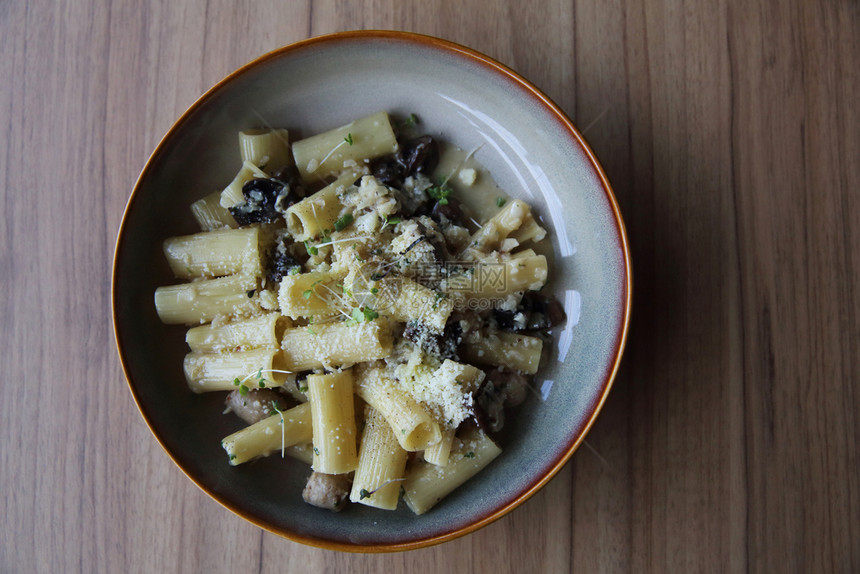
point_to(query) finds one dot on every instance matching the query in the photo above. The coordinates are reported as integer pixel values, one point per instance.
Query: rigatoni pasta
(333, 418)
(340, 275)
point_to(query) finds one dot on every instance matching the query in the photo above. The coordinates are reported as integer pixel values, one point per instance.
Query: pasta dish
(359, 313)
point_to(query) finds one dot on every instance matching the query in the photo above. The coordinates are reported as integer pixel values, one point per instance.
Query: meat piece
(501, 389)
(327, 490)
(255, 405)
(535, 312)
(490, 407)
(512, 386)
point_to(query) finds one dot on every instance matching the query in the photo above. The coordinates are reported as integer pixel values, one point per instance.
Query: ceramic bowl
(533, 152)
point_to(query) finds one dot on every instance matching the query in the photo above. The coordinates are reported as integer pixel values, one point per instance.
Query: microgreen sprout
(275, 410)
(364, 493)
(392, 221)
(343, 221)
(440, 192)
(237, 382)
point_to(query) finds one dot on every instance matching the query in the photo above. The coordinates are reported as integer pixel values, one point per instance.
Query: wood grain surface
(731, 133)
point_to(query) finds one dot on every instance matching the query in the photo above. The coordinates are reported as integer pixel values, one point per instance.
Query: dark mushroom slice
(265, 201)
(442, 345)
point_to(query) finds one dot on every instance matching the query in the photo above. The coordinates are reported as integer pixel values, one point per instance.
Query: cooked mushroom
(256, 404)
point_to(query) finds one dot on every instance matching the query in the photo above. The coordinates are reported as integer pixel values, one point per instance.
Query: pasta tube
(269, 149)
(516, 352)
(331, 152)
(317, 213)
(313, 294)
(206, 372)
(381, 464)
(439, 453)
(514, 216)
(335, 344)
(201, 301)
(333, 418)
(412, 424)
(426, 484)
(279, 431)
(240, 335)
(215, 253)
(211, 215)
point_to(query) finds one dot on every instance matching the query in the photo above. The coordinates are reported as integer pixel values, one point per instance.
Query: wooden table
(731, 133)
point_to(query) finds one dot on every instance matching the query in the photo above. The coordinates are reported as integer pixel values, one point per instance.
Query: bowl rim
(507, 74)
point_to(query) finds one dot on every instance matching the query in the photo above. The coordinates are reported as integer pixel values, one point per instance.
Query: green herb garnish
(341, 223)
(348, 139)
(410, 121)
(364, 493)
(501, 201)
(386, 221)
(310, 248)
(440, 193)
